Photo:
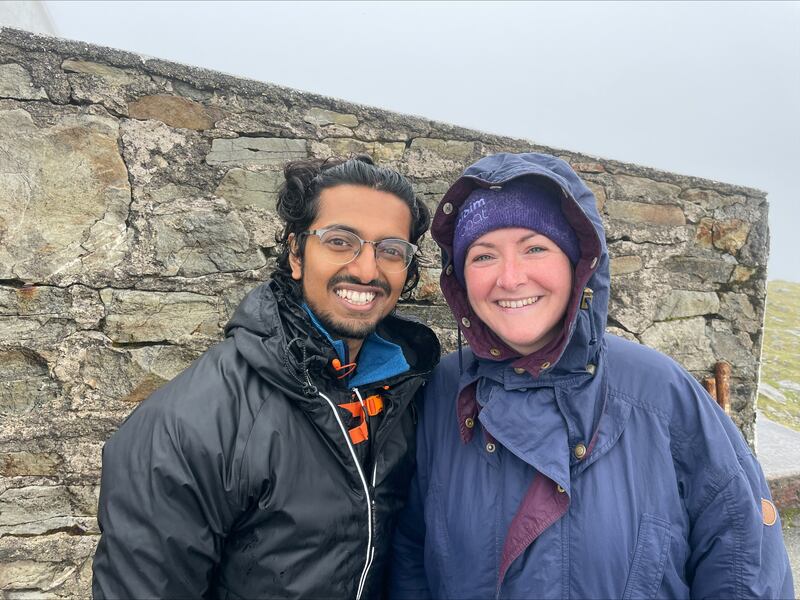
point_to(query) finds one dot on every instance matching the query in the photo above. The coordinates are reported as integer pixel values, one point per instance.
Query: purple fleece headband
(522, 202)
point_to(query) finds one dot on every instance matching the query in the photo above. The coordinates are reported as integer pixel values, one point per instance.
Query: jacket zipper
(372, 524)
(365, 484)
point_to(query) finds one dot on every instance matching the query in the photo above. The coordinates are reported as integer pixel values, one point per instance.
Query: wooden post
(710, 384)
(723, 381)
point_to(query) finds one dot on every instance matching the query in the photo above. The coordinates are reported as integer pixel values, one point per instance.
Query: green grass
(779, 400)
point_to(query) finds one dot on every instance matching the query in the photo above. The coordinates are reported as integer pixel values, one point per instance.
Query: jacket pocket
(649, 558)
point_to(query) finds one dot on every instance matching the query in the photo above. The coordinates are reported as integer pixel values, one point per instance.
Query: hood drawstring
(586, 304)
(309, 389)
(460, 357)
(342, 371)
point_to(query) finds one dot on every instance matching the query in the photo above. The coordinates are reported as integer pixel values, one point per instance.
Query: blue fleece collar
(379, 359)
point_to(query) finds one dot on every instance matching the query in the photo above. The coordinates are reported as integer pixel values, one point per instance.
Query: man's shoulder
(209, 392)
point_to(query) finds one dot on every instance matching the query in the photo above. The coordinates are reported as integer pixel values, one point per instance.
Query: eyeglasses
(342, 247)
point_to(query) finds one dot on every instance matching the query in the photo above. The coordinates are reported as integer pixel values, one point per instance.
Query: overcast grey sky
(706, 89)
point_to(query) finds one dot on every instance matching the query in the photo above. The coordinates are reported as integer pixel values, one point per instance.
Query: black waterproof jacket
(238, 479)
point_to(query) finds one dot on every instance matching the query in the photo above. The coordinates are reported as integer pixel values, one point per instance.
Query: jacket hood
(275, 335)
(582, 332)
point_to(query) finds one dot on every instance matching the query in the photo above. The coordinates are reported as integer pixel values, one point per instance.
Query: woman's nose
(511, 275)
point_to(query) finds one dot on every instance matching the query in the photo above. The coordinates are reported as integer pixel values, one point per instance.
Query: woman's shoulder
(633, 365)
(653, 381)
(442, 387)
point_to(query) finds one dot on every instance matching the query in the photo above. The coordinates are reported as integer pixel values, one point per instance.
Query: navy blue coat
(593, 468)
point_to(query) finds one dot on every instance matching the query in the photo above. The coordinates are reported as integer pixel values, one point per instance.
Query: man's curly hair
(298, 204)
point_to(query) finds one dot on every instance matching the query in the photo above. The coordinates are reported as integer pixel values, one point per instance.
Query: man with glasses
(274, 466)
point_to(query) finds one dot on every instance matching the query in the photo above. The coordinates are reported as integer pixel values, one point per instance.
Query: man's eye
(339, 242)
(392, 250)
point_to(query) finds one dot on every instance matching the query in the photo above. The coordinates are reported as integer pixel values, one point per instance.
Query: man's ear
(295, 262)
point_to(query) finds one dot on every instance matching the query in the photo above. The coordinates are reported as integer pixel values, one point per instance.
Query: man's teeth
(517, 303)
(354, 297)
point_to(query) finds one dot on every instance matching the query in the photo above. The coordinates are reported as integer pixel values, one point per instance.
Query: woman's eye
(535, 249)
(481, 258)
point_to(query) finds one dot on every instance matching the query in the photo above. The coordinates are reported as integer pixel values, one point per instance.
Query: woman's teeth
(356, 297)
(517, 303)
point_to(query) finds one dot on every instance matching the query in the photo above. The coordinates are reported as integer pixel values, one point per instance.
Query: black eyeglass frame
(323, 230)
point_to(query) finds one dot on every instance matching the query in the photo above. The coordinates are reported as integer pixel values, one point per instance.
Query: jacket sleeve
(734, 552)
(736, 546)
(407, 571)
(163, 507)
(407, 579)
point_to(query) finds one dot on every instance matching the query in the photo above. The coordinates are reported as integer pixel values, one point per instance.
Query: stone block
(34, 300)
(111, 75)
(741, 274)
(710, 200)
(134, 316)
(730, 235)
(19, 464)
(428, 289)
(321, 117)
(251, 189)
(635, 299)
(24, 381)
(717, 270)
(640, 189)
(734, 347)
(447, 149)
(16, 83)
(46, 566)
(158, 154)
(588, 167)
(173, 111)
(383, 153)
(64, 198)
(253, 151)
(75, 302)
(622, 265)
(194, 237)
(120, 378)
(434, 158)
(685, 340)
(736, 307)
(678, 304)
(97, 83)
(660, 215)
(34, 509)
(29, 575)
(39, 333)
(755, 251)
(600, 195)
(431, 192)
(704, 236)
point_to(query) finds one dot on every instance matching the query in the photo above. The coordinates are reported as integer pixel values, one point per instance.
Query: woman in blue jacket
(556, 460)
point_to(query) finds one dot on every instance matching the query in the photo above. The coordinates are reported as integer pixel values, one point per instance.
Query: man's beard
(342, 329)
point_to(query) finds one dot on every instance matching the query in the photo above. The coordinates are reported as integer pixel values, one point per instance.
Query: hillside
(779, 391)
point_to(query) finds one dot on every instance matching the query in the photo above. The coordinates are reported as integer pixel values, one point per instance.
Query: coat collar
(542, 420)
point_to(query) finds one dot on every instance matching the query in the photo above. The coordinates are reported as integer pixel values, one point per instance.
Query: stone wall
(137, 205)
